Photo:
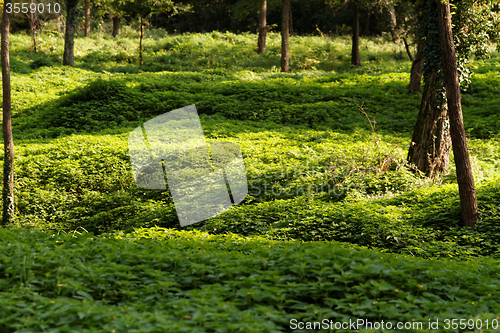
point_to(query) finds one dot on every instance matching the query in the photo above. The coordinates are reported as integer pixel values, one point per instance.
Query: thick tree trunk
(285, 38)
(116, 25)
(69, 37)
(465, 178)
(393, 23)
(417, 67)
(261, 43)
(8, 141)
(140, 41)
(355, 60)
(87, 18)
(431, 142)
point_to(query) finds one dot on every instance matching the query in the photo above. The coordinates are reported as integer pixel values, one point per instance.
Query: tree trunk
(285, 38)
(417, 67)
(290, 28)
(465, 178)
(69, 37)
(116, 25)
(393, 23)
(87, 18)
(261, 43)
(140, 42)
(408, 50)
(431, 143)
(8, 166)
(355, 60)
(33, 20)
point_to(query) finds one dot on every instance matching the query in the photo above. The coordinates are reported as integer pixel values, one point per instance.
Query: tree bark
(87, 18)
(69, 37)
(8, 166)
(465, 178)
(116, 25)
(431, 142)
(355, 60)
(261, 43)
(408, 50)
(393, 23)
(33, 18)
(285, 38)
(140, 42)
(417, 67)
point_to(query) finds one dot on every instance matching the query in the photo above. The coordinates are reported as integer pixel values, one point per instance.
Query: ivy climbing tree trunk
(285, 38)
(69, 37)
(431, 142)
(465, 178)
(261, 43)
(430, 146)
(355, 60)
(8, 141)
(87, 18)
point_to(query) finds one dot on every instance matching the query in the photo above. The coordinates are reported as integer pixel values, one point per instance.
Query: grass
(335, 225)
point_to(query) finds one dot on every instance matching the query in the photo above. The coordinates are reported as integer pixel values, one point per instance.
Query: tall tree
(393, 22)
(8, 141)
(143, 8)
(356, 7)
(447, 48)
(261, 43)
(465, 179)
(431, 142)
(355, 59)
(116, 25)
(430, 146)
(87, 18)
(69, 37)
(285, 37)
(242, 9)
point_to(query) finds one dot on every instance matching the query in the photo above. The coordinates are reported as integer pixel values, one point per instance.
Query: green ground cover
(317, 174)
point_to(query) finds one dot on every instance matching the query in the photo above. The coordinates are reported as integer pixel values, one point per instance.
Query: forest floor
(335, 227)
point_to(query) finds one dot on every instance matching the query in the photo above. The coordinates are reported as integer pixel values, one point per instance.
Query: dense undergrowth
(316, 172)
(158, 280)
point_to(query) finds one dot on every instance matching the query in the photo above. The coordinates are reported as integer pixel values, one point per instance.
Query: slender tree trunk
(417, 67)
(285, 38)
(87, 18)
(431, 142)
(290, 28)
(116, 25)
(261, 43)
(465, 178)
(8, 166)
(33, 20)
(140, 42)
(408, 50)
(393, 23)
(355, 60)
(69, 37)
